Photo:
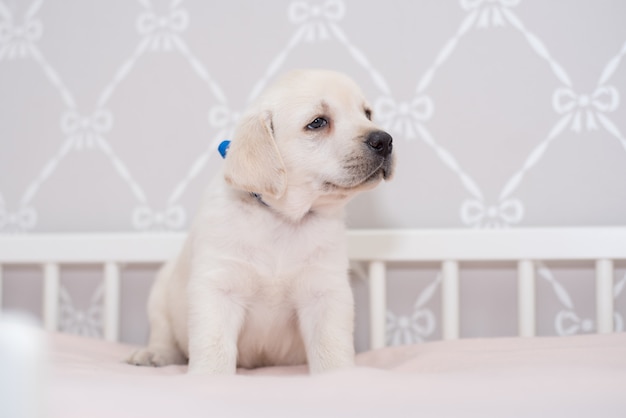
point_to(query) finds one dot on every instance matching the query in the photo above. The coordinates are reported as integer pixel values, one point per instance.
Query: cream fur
(260, 284)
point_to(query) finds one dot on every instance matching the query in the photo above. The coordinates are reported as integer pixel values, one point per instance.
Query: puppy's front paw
(155, 358)
(212, 368)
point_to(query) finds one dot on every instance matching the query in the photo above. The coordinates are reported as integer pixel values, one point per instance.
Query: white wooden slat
(604, 296)
(1, 287)
(111, 301)
(51, 285)
(526, 298)
(90, 248)
(450, 300)
(378, 304)
(579, 243)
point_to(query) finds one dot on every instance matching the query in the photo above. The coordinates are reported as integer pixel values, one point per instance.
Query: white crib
(575, 376)
(372, 249)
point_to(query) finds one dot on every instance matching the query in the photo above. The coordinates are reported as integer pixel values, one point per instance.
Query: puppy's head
(309, 142)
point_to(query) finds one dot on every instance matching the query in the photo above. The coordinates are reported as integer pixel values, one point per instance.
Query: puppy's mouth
(383, 171)
(380, 172)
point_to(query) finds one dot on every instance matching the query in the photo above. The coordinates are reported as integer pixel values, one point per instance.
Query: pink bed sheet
(581, 376)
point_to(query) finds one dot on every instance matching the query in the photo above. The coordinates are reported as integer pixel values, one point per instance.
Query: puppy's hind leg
(162, 348)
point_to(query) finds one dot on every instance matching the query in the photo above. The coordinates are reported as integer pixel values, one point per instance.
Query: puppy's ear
(253, 162)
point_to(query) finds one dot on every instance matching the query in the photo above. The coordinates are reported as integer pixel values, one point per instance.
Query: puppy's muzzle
(380, 142)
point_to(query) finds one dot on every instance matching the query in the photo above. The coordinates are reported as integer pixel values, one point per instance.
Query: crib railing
(111, 250)
(376, 248)
(451, 247)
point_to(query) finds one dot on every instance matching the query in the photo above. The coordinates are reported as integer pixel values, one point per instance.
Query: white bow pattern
(161, 29)
(582, 106)
(22, 220)
(16, 41)
(221, 116)
(569, 323)
(490, 10)
(401, 118)
(75, 321)
(314, 16)
(146, 218)
(410, 329)
(475, 213)
(86, 130)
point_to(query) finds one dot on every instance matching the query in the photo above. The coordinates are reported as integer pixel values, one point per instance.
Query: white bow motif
(16, 41)
(75, 321)
(85, 130)
(221, 116)
(402, 117)
(161, 29)
(582, 106)
(146, 218)
(314, 16)
(22, 220)
(475, 213)
(410, 329)
(568, 323)
(491, 10)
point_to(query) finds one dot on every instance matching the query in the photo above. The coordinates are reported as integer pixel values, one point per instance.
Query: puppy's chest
(279, 253)
(279, 257)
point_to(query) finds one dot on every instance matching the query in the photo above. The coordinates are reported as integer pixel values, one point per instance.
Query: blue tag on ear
(223, 148)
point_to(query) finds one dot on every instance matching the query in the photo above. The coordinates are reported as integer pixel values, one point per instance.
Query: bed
(46, 373)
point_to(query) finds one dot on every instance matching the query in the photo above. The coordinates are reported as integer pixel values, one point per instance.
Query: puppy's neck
(291, 206)
(297, 205)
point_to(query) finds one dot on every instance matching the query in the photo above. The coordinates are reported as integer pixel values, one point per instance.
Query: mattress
(578, 376)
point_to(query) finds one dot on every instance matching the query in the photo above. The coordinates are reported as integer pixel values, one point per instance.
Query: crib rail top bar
(579, 243)
(68, 248)
(555, 243)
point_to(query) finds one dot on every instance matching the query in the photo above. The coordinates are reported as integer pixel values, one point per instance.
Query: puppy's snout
(380, 142)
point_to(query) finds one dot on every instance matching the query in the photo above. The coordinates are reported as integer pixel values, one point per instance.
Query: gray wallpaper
(505, 113)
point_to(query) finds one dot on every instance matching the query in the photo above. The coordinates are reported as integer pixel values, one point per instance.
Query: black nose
(380, 142)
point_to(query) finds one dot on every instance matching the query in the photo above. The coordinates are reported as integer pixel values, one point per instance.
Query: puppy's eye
(317, 123)
(368, 114)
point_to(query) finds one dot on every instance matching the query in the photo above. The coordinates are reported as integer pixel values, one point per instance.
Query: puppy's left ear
(253, 162)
